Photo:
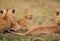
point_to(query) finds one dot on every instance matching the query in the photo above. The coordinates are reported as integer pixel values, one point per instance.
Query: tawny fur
(21, 23)
(8, 21)
(11, 19)
(4, 25)
(44, 29)
(24, 21)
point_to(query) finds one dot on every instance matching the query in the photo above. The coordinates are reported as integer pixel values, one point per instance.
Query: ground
(43, 13)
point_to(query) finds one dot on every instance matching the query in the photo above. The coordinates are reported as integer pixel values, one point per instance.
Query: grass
(38, 37)
(43, 13)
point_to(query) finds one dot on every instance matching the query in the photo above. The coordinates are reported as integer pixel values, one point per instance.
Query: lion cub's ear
(57, 13)
(1, 12)
(13, 11)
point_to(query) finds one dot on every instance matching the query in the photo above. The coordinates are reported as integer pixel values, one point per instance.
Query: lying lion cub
(24, 21)
(44, 29)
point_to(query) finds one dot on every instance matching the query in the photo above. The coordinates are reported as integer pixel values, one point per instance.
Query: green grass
(43, 13)
(38, 37)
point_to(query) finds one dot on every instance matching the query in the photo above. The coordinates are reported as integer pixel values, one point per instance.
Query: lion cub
(44, 29)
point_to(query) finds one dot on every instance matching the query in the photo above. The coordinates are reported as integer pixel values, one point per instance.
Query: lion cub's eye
(13, 11)
(57, 13)
(1, 12)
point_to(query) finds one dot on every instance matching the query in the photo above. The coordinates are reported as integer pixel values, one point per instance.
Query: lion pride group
(8, 24)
